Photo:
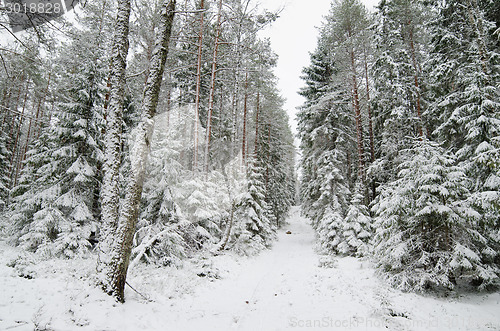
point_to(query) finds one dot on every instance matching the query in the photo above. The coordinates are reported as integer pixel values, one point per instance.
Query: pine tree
(325, 128)
(427, 234)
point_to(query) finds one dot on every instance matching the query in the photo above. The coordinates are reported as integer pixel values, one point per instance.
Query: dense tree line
(83, 170)
(400, 140)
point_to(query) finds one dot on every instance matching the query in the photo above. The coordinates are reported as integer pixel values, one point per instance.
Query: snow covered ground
(288, 287)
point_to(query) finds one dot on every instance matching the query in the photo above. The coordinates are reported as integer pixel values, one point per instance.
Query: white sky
(293, 36)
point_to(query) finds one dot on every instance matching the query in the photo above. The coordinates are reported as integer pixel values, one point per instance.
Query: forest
(79, 98)
(144, 132)
(400, 138)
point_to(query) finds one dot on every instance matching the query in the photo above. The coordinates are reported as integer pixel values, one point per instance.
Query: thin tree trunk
(244, 133)
(417, 85)
(17, 98)
(234, 111)
(369, 108)
(357, 111)
(112, 157)
(370, 123)
(122, 246)
(7, 111)
(212, 88)
(15, 165)
(266, 180)
(198, 89)
(39, 108)
(169, 104)
(257, 124)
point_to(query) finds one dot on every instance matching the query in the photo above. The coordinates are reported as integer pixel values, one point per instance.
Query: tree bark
(39, 111)
(198, 88)
(256, 150)
(112, 140)
(417, 85)
(244, 133)
(212, 88)
(13, 164)
(122, 246)
(370, 124)
(357, 116)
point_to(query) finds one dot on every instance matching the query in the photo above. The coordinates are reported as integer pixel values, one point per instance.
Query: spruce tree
(466, 71)
(427, 234)
(253, 230)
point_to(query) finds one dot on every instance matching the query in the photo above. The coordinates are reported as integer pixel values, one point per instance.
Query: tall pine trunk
(244, 133)
(122, 245)
(416, 82)
(370, 123)
(212, 88)
(357, 117)
(198, 89)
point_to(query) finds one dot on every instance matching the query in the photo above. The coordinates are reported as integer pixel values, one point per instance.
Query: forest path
(285, 288)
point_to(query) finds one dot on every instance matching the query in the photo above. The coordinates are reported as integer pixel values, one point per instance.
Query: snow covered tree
(61, 173)
(5, 156)
(163, 235)
(325, 128)
(121, 233)
(274, 151)
(253, 230)
(328, 210)
(356, 227)
(401, 47)
(344, 32)
(427, 234)
(465, 68)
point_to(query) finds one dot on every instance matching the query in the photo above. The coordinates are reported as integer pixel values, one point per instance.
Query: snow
(288, 287)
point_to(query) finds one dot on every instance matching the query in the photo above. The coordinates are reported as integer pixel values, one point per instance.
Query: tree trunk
(39, 115)
(122, 246)
(212, 88)
(112, 140)
(370, 123)
(417, 85)
(13, 163)
(198, 89)
(257, 125)
(357, 115)
(244, 133)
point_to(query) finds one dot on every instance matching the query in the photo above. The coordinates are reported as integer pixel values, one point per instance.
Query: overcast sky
(293, 36)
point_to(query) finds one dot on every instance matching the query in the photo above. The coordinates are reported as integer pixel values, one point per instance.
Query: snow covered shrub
(163, 237)
(427, 234)
(161, 244)
(50, 233)
(201, 204)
